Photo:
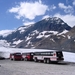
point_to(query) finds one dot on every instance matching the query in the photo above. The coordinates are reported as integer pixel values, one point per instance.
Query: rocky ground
(9, 67)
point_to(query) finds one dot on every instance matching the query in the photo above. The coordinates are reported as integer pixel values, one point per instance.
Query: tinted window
(17, 53)
(59, 54)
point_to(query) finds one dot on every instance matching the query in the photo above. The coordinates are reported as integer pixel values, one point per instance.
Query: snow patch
(46, 36)
(64, 36)
(4, 43)
(62, 23)
(65, 31)
(69, 37)
(47, 19)
(35, 31)
(55, 18)
(58, 21)
(22, 31)
(28, 38)
(43, 34)
(17, 42)
(52, 40)
(39, 36)
(29, 43)
(54, 32)
(23, 28)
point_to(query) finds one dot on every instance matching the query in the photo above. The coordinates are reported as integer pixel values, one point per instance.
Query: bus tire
(48, 61)
(45, 61)
(26, 59)
(35, 59)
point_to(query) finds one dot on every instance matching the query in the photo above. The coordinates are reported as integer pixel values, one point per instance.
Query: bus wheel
(35, 59)
(25, 59)
(14, 59)
(48, 61)
(45, 61)
(11, 59)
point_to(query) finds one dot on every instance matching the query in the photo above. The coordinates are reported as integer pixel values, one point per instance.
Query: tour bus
(48, 56)
(16, 56)
(27, 56)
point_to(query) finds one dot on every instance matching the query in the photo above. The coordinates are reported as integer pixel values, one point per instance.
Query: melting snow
(65, 31)
(28, 38)
(55, 18)
(28, 43)
(22, 31)
(46, 19)
(39, 36)
(23, 27)
(17, 42)
(69, 37)
(35, 31)
(62, 23)
(52, 40)
(43, 34)
(4, 43)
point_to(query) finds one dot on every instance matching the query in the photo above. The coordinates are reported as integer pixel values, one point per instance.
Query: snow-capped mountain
(49, 33)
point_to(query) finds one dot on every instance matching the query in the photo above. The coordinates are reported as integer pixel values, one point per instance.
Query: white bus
(48, 56)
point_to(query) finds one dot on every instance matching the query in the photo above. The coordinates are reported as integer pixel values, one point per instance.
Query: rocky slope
(49, 33)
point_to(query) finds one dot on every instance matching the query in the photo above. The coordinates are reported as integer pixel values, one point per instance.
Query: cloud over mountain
(68, 18)
(29, 10)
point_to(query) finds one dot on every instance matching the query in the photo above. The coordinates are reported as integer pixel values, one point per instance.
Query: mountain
(61, 41)
(69, 42)
(49, 33)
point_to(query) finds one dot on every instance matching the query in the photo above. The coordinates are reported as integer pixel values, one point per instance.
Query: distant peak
(52, 18)
(47, 18)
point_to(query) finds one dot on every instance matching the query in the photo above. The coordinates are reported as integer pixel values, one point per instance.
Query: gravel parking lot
(9, 67)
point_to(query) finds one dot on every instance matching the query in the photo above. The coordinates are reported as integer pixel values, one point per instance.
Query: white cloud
(67, 9)
(61, 5)
(74, 2)
(29, 10)
(28, 23)
(69, 19)
(14, 10)
(40, 1)
(5, 32)
(52, 7)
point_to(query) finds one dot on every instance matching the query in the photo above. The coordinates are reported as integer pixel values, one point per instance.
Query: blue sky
(15, 13)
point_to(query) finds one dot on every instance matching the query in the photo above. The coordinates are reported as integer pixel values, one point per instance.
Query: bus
(28, 56)
(48, 56)
(16, 56)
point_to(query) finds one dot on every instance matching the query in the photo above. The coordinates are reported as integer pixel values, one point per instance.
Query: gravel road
(9, 67)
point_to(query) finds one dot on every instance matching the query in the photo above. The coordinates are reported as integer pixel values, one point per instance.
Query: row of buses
(45, 56)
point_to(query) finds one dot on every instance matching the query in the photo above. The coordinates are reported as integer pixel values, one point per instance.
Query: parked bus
(16, 56)
(27, 56)
(48, 56)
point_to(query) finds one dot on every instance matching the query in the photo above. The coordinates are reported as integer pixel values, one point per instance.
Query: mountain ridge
(49, 33)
